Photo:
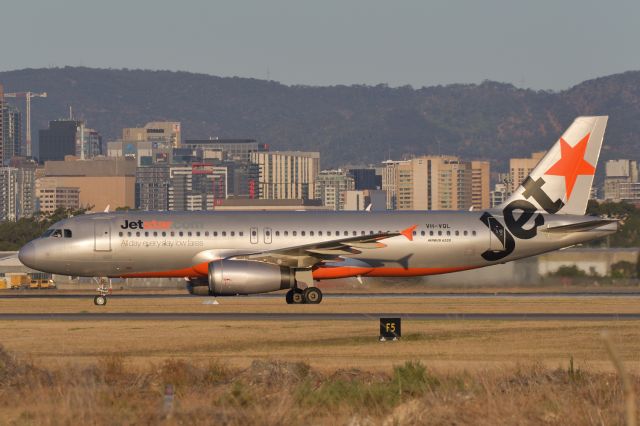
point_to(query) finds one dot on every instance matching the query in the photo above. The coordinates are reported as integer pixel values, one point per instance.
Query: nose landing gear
(104, 288)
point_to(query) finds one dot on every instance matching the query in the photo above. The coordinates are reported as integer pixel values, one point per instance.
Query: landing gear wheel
(298, 297)
(289, 297)
(312, 295)
(100, 300)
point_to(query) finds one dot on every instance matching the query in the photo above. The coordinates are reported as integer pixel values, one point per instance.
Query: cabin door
(102, 235)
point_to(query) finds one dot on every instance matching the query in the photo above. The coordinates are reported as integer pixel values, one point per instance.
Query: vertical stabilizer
(561, 182)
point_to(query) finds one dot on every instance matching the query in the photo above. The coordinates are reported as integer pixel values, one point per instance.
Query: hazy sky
(541, 44)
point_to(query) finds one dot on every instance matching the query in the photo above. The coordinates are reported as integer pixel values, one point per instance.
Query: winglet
(409, 232)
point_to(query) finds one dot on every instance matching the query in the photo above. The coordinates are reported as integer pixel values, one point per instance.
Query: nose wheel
(310, 295)
(104, 288)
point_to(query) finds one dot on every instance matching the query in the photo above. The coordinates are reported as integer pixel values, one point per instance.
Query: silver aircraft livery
(233, 253)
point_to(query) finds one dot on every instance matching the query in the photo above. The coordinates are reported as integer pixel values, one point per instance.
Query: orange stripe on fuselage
(201, 270)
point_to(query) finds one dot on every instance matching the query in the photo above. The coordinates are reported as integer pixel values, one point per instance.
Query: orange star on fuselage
(572, 163)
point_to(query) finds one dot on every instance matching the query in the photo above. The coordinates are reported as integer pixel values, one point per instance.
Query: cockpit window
(47, 233)
(57, 233)
(67, 233)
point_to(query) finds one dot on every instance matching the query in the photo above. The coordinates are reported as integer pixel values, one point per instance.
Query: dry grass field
(315, 372)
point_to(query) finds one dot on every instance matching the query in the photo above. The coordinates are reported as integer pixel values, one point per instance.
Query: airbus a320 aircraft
(231, 253)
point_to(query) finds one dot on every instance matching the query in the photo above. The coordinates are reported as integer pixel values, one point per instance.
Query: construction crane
(27, 96)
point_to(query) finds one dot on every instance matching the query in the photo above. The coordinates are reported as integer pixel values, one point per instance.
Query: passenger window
(129, 234)
(431, 233)
(328, 233)
(164, 234)
(354, 233)
(67, 233)
(224, 233)
(254, 233)
(440, 233)
(320, 233)
(457, 233)
(311, 233)
(473, 233)
(120, 234)
(155, 233)
(241, 233)
(146, 233)
(57, 233)
(370, 232)
(215, 233)
(189, 234)
(295, 233)
(173, 234)
(302, 233)
(346, 233)
(422, 233)
(286, 233)
(138, 234)
(448, 232)
(466, 233)
(277, 233)
(415, 233)
(198, 234)
(362, 233)
(233, 233)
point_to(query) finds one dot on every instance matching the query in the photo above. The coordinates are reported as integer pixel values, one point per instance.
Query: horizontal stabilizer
(580, 227)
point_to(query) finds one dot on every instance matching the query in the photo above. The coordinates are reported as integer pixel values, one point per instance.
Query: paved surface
(36, 294)
(97, 316)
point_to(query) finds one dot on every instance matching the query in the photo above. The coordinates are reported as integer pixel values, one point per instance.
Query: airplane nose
(27, 255)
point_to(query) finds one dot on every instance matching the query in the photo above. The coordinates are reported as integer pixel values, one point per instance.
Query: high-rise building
(102, 182)
(157, 131)
(365, 178)
(499, 194)
(88, 143)
(68, 137)
(286, 174)
(237, 150)
(430, 183)
(144, 152)
(1, 125)
(152, 187)
(621, 180)
(58, 141)
(331, 186)
(359, 200)
(17, 191)
(520, 168)
(389, 182)
(197, 187)
(480, 184)
(12, 132)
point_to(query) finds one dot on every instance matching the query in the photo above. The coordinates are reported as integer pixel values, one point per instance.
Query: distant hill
(348, 124)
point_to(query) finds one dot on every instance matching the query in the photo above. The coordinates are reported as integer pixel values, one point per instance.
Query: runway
(231, 316)
(35, 294)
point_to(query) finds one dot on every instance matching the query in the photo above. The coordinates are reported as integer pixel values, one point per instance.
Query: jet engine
(231, 277)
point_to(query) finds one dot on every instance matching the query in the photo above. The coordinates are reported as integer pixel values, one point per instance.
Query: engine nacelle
(231, 277)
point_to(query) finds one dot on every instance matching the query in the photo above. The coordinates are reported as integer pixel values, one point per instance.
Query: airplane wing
(308, 255)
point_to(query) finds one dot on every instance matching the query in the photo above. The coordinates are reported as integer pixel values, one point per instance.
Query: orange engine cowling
(232, 277)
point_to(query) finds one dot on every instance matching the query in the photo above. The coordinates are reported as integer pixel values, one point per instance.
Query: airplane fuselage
(182, 244)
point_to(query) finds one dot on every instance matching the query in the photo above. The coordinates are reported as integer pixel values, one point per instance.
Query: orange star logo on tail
(572, 163)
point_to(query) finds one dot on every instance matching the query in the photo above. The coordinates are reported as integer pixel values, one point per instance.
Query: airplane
(239, 253)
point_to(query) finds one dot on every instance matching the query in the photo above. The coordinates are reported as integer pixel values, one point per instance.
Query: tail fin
(561, 182)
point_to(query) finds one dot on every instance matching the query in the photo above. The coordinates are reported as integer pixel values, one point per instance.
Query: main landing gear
(104, 288)
(310, 295)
